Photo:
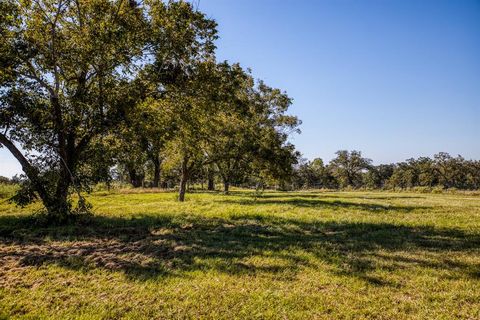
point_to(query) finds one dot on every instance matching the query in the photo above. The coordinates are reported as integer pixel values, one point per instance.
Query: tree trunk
(210, 178)
(60, 208)
(57, 204)
(226, 186)
(182, 190)
(156, 173)
(135, 179)
(211, 184)
(183, 180)
(30, 171)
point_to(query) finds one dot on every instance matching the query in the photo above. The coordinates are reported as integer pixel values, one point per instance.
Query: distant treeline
(351, 170)
(348, 170)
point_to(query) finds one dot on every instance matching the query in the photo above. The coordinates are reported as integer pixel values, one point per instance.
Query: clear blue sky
(394, 79)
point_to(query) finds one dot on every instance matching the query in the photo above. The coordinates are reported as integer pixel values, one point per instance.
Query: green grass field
(301, 255)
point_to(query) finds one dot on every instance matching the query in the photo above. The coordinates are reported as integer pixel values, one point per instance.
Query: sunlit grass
(299, 255)
(7, 190)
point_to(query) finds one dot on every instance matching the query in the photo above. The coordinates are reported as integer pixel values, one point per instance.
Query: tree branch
(31, 172)
(26, 165)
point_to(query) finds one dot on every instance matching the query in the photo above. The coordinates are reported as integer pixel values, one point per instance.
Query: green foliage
(313, 174)
(91, 86)
(350, 170)
(348, 167)
(25, 194)
(443, 171)
(70, 72)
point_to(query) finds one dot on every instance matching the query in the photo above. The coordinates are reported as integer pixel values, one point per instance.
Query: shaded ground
(151, 246)
(154, 247)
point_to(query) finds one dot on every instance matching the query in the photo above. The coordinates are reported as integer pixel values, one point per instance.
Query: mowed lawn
(296, 255)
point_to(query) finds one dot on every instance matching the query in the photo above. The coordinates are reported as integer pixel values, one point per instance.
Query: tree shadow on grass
(327, 204)
(330, 194)
(157, 247)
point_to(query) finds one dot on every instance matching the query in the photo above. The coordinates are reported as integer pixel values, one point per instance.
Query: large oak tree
(67, 68)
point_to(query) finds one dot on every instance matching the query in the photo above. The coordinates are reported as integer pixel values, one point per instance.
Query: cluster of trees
(93, 90)
(97, 90)
(351, 170)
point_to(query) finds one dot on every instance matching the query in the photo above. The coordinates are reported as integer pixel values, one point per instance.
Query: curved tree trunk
(56, 203)
(30, 171)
